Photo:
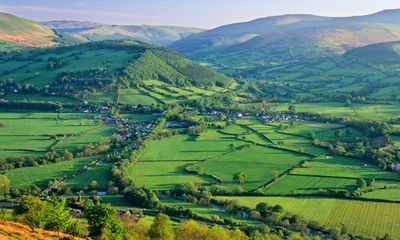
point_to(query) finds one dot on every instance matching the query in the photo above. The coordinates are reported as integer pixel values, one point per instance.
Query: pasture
(28, 133)
(373, 219)
(354, 111)
(335, 166)
(163, 175)
(42, 174)
(292, 184)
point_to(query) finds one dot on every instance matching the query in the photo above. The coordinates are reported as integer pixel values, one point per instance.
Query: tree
(161, 228)
(239, 177)
(262, 208)
(32, 210)
(361, 183)
(312, 135)
(292, 108)
(349, 131)
(57, 217)
(92, 185)
(191, 230)
(231, 147)
(103, 222)
(67, 155)
(338, 133)
(275, 175)
(4, 185)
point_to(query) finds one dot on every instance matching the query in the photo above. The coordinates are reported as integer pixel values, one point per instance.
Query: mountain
(89, 31)
(292, 26)
(380, 53)
(315, 42)
(23, 32)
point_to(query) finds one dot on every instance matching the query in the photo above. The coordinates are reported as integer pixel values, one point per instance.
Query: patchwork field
(373, 219)
(355, 111)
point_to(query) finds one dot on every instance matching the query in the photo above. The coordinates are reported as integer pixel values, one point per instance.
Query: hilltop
(90, 31)
(309, 27)
(25, 32)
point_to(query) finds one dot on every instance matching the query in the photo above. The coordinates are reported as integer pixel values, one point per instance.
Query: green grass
(344, 167)
(99, 173)
(206, 211)
(30, 133)
(290, 184)
(133, 96)
(257, 162)
(385, 194)
(163, 175)
(41, 175)
(189, 148)
(360, 217)
(356, 111)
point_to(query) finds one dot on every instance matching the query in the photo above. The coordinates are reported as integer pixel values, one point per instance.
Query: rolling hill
(98, 70)
(298, 27)
(89, 31)
(25, 32)
(380, 53)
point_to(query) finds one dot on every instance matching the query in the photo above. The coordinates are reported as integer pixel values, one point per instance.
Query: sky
(190, 13)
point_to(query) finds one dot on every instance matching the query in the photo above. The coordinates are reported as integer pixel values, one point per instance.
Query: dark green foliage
(103, 222)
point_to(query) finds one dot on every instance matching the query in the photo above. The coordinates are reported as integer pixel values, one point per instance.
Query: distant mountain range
(290, 32)
(90, 31)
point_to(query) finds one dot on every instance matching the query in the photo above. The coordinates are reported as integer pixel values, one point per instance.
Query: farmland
(360, 217)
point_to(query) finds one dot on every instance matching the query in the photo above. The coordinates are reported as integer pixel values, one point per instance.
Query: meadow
(29, 133)
(354, 111)
(292, 185)
(373, 219)
(42, 174)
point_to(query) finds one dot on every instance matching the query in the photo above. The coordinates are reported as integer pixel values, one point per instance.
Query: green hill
(88, 32)
(25, 32)
(99, 70)
(381, 53)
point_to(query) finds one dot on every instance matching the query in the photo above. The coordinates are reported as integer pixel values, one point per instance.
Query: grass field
(355, 111)
(189, 148)
(42, 174)
(360, 217)
(99, 173)
(28, 133)
(163, 175)
(290, 184)
(344, 167)
(257, 162)
(206, 211)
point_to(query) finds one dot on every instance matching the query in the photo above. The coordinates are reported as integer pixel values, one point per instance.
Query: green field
(257, 162)
(28, 133)
(42, 174)
(189, 148)
(163, 175)
(355, 111)
(291, 184)
(344, 167)
(360, 217)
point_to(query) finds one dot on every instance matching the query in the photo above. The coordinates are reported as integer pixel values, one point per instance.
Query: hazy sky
(199, 13)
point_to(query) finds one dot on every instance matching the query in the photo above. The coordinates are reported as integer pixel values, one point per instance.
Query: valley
(284, 127)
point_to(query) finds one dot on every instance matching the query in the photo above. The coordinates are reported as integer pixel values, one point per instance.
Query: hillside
(315, 42)
(88, 31)
(13, 230)
(25, 32)
(380, 53)
(100, 69)
(216, 40)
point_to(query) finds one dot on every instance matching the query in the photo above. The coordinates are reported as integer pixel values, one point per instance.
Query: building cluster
(275, 117)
